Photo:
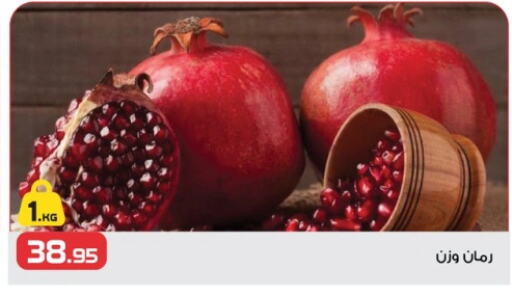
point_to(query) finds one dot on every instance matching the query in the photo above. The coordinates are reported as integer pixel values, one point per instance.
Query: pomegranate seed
(320, 215)
(147, 181)
(292, 225)
(123, 221)
(134, 198)
(111, 163)
(135, 122)
(67, 175)
(103, 195)
(95, 164)
(110, 109)
(148, 208)
(139, 219)
(69, 161)
(109, 210)
(328, 196)
(118, 147)
(153, 119)
(88, 125)
(108, 134)
(128, 107)
(392, 194)
(344, 225)
(144, 137)
(365, 187)
(392, 134)
(154, 197)
(89, 179)
(397, 148)
(274, 222)
(377, 161)
(82, 193)
(385, 209)
(383, 145)
(76, 204)
(386, 186)
(312, 228)
(164, 173)
(377, 224)
(376, 174)
(365, 211)
(151, 165)
(362, 168)
(398, 162)
(79, 151)
(120, 122)
(153, 150)
(350, 212)
(90, 141)
(90, 210)
(93, 228)
(159, 133)
(40, 149)
(397, 176)
(385, 172)
(128, 137)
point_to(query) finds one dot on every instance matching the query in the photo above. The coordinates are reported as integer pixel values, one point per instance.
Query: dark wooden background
(60, 50)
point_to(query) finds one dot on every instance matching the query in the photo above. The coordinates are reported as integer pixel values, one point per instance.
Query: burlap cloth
(494, 216)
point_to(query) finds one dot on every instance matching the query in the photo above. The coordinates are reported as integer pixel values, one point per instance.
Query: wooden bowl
(444, 179)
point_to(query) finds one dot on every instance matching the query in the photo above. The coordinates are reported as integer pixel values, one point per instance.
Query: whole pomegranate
(241, 149)
(113, 159)
(392, 67)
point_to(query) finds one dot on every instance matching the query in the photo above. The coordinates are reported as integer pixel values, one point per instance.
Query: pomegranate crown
(390, 23)
(183, 32)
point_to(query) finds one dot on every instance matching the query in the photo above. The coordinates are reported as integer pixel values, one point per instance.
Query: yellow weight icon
(41, 208)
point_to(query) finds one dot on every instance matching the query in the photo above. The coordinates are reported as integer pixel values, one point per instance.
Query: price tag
(41, 208)
(61, 250)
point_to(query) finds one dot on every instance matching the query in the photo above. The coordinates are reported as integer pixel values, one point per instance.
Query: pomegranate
(113, 159)
(393, 67)
(362, 203)
(241, 149)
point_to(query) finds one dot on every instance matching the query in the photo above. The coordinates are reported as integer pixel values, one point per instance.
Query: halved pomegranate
(113, 158)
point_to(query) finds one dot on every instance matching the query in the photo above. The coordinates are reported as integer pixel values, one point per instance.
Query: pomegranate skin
(241, 149)
(390, 66)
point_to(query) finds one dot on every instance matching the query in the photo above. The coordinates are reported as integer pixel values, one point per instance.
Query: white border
(7, 9)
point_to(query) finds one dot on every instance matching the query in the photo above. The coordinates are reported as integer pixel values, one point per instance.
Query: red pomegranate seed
(103, 195)
(320, 215)
(365, 187)
(385, 209)
(392, 134)
(362, 168)
(398, 161)
(377, 224)
(274, 222)
(109, 210)
(350, 212)
(397, 176)
(365, 211)
(344, 225)
(328, 196)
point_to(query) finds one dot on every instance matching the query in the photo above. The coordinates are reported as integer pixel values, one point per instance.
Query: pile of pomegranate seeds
(363, 202)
